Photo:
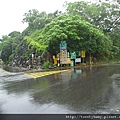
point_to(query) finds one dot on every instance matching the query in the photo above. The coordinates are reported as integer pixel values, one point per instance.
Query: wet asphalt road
(93, 90)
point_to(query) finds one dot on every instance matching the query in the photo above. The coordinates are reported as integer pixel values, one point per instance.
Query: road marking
(42, 74)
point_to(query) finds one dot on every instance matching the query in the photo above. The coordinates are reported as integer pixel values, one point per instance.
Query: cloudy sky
(12, 11)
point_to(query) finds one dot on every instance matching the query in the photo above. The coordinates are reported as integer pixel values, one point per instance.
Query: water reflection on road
(86, 90)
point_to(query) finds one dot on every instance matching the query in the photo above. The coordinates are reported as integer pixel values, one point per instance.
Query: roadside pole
(90, 59)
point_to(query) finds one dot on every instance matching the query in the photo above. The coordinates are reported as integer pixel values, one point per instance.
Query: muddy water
(87, 90)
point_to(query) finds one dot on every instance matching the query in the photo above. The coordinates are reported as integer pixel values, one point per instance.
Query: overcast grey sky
(12, 11)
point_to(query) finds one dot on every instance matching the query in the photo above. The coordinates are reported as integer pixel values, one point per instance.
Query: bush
(11, 57)
(47, 65)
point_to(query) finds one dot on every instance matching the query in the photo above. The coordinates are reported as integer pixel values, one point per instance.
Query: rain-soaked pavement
(78, 90)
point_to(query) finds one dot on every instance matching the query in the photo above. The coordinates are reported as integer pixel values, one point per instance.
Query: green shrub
(11, 57)
(46, 65)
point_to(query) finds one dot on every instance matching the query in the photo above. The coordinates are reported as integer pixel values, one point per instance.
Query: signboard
(83, 54)
(78, 60)
(63, 57)
(73, 55)
(63, 52)
(55, 60)
(68, 60)
(63, 45)
(63, 48)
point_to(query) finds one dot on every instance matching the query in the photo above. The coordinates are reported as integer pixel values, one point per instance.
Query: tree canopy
(79, 35)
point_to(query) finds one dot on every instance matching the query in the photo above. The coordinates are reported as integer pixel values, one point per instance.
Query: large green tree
(6, 52)
(79, 35)
(8, 45)
(105, 15)
(38, 20)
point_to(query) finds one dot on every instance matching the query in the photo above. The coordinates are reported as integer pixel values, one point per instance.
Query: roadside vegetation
(93, 27)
